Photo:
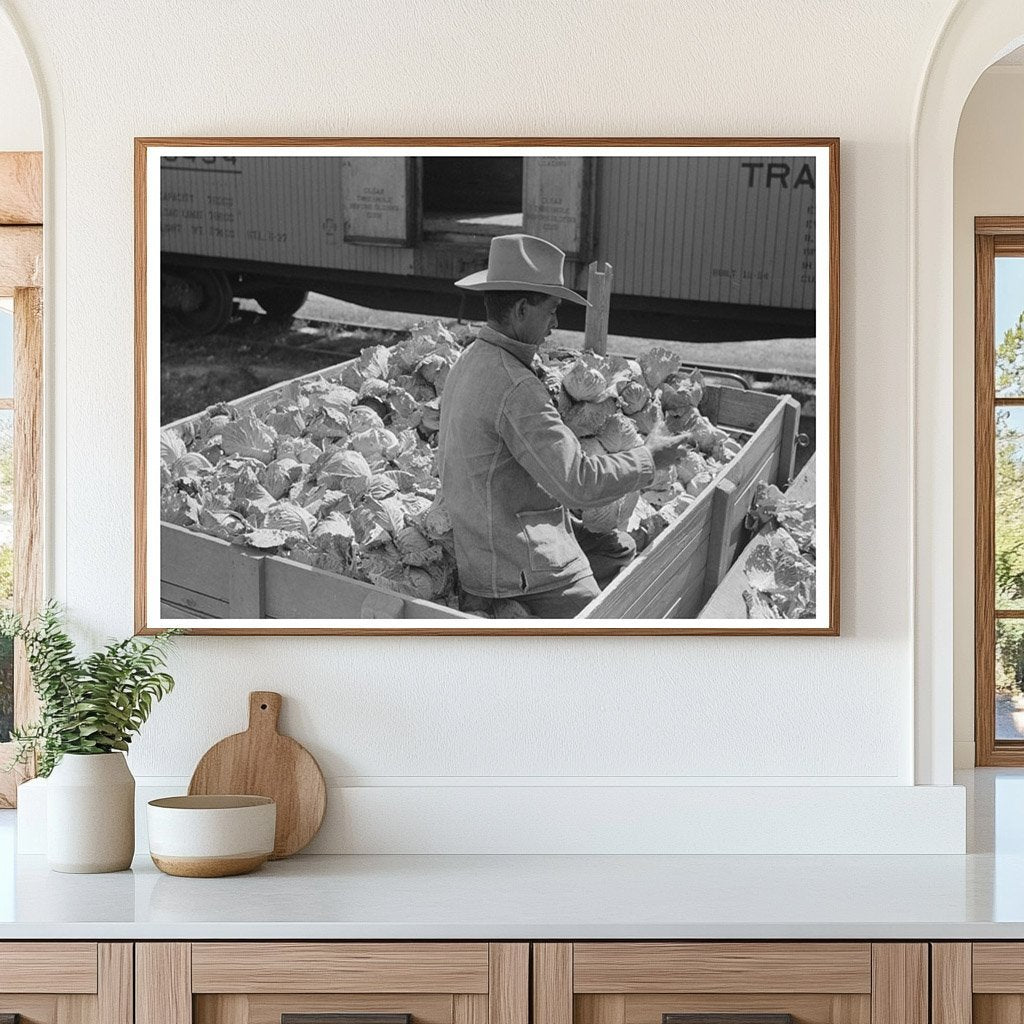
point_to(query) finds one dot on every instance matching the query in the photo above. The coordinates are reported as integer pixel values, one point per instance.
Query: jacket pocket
(549, 544)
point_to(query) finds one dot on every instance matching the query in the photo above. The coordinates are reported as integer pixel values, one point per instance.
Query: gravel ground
(777, 355)
(254, 352)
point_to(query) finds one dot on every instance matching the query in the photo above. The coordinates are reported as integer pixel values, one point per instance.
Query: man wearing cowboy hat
(510, 468)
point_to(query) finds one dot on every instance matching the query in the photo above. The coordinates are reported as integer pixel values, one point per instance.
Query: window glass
(1009, 324)
(1009, 511)
(1009, 679)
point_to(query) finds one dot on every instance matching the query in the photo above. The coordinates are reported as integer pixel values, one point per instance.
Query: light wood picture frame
(739, 237)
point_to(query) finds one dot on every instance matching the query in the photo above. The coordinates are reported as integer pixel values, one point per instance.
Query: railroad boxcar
(692, 239)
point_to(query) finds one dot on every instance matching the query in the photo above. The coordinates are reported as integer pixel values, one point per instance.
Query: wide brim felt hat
(523, 263)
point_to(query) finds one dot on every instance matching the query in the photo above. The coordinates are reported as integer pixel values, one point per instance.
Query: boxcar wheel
(282, 302)
(211, 298)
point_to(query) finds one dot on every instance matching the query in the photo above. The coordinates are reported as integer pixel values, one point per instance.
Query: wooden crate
(205, 577)
(675, 576)
(727, 600)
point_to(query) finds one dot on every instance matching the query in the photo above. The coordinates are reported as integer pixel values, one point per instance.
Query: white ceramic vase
(90, 814)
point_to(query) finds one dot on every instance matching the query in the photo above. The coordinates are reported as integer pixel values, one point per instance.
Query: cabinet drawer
(332, 983)
(340, 967)
(730, 983)
(66, 982)
(633, 967)
(64, 967)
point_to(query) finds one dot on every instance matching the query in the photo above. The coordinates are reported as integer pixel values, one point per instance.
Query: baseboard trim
(718, 820)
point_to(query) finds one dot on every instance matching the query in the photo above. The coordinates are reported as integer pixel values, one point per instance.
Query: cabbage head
(249, 437)
(172, 447)
(633, 396)
(619, 434)
(584, 382)
(658, 364)
(585, 419)
(290, 518)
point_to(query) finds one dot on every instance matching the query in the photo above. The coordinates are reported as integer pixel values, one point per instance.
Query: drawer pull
(340, 1018)
(727, 1018)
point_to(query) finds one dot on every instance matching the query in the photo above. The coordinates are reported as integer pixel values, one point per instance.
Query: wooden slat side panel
(552, 983)
(998, 967)
(21, 259)
(722, 967)
(115, 983)
(163, 983)
(195, 562)
(21, 188)
(342, 967)
(508, 993)
(689, 533)
(297, 591)
(807, 1009)
(743, 410)
(268, 1008)
(65, 967)
(951, 983)
(899, 989)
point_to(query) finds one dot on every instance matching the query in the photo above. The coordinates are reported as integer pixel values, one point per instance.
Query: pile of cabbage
(780, 570)
(337, 471)
(612, 403)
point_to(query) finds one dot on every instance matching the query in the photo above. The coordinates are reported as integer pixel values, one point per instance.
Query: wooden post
(720, 550)
(599, 293)
(787, 448)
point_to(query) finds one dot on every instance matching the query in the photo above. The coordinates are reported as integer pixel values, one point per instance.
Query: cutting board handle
(264, 710)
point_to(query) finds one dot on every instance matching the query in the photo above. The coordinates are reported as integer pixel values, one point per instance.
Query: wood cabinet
(66, 982)
(512, 983)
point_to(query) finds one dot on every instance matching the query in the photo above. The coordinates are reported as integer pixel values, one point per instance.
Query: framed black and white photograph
(451, 386)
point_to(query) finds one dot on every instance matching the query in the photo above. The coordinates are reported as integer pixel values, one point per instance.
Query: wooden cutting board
(262, 762)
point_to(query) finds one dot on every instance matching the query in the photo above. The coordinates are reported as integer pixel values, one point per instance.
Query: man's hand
(665, 448)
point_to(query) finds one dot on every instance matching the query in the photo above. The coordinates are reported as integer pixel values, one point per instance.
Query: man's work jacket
(511, 470)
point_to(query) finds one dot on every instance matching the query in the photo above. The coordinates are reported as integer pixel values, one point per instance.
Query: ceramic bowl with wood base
(211, 836)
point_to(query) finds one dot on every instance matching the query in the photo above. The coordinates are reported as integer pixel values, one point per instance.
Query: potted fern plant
(90, 708)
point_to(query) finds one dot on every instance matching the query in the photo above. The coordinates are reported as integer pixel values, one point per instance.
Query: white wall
(987, 182)
(21, 127)
(432, 716)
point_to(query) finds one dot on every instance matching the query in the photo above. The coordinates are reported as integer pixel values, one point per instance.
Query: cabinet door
(981, 982)
(730, 983)
(332, 983)
(66, 982)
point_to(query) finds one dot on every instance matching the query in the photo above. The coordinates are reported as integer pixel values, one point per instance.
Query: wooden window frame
(21, 273)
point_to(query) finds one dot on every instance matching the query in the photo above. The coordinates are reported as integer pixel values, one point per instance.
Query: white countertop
(977, 896)
(517, 897)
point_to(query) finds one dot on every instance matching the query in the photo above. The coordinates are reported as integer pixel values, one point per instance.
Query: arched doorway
(977, 33)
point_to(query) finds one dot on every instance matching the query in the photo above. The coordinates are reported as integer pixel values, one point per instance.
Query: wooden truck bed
(208, 578)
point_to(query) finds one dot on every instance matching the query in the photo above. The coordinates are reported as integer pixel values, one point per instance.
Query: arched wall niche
(976, 34)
